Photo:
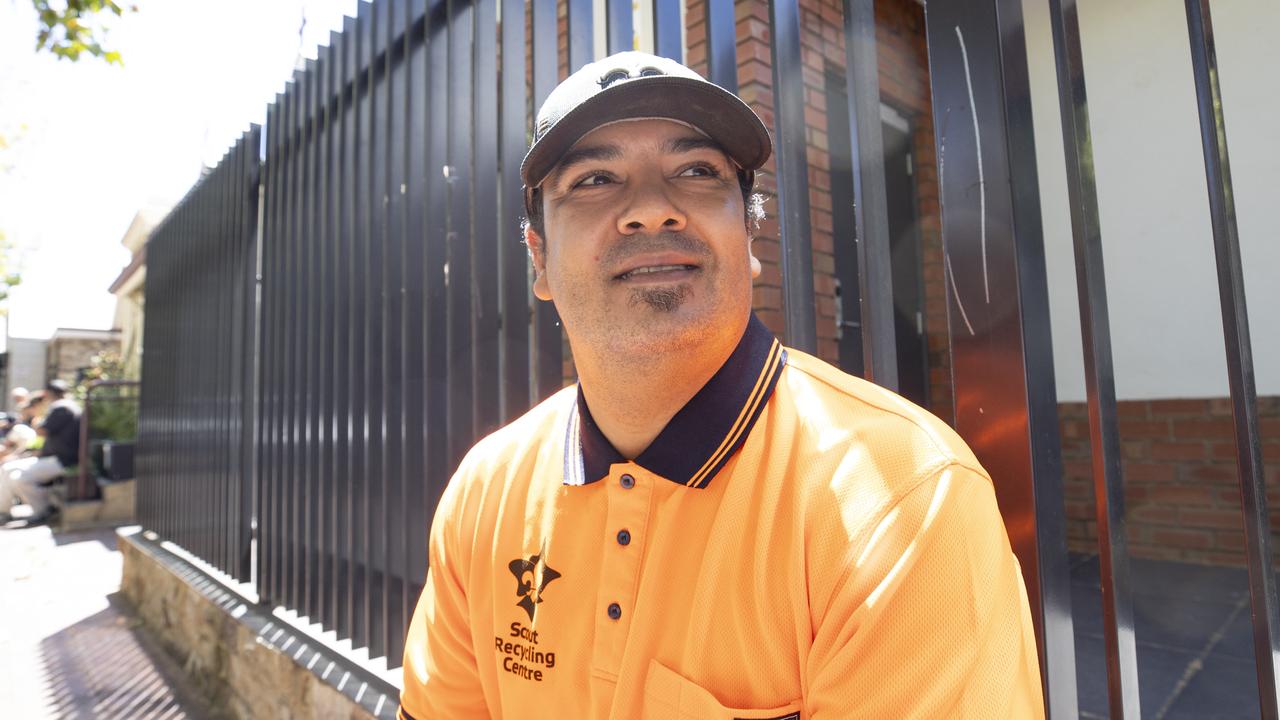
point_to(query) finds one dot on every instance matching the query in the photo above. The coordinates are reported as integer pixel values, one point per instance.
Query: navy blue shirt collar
(704, 434)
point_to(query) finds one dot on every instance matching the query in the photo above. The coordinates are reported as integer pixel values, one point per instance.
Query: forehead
(647, 135)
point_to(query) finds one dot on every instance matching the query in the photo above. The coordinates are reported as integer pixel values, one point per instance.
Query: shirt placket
(630, 490)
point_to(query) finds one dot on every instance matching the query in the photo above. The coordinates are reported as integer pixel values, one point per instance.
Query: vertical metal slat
(1239, 350)
(1095, 328)
(871, 214)
(548, 350)
(793, 177)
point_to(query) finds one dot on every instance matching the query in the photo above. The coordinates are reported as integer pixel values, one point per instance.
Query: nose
(650, 209)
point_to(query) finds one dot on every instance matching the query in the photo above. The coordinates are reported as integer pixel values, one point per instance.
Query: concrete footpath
(69, 647)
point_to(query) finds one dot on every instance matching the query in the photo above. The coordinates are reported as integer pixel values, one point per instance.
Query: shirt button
(627, 482)
(615, 611)
(624, 537)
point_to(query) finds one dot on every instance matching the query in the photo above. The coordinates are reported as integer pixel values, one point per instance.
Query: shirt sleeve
(441, 679)
(929, 617)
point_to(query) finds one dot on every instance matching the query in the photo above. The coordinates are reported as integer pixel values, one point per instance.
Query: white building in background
(25, 366)
(129, 285)
(1162, 288)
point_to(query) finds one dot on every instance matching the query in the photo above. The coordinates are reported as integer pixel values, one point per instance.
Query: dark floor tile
(1237, 641)
(1200, 583)
(1178, 622)
(1175, 621)
(1225, 688)
(1159, 670)
(1160, 578)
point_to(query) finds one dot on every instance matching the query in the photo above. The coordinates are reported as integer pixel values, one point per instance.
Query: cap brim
(708, 107)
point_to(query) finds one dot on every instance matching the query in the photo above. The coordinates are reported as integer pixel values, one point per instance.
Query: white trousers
(20, 480)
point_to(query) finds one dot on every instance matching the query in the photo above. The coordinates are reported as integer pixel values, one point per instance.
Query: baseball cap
(58, 385)
(632, 86)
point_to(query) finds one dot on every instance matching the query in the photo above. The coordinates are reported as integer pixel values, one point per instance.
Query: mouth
(658, 273)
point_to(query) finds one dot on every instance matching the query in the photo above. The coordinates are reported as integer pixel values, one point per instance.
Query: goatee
(664, 300)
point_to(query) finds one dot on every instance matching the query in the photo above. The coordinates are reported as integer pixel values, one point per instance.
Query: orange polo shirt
(796, 543)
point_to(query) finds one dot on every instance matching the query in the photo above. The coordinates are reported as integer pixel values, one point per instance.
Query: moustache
(625, 248)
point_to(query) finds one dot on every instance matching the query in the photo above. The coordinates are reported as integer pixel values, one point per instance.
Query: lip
(669, 266)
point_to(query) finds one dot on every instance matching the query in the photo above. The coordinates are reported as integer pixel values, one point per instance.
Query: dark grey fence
(195, 440)
(396, 324)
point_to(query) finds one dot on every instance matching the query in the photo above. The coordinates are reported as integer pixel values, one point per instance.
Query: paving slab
(1193, 634)
(69, 647)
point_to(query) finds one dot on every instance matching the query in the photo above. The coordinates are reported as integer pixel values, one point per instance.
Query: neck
(632, 403)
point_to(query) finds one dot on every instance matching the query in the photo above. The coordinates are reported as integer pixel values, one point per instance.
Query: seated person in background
(17, 437)
(30, 412)
(26, 478)
(18, 397)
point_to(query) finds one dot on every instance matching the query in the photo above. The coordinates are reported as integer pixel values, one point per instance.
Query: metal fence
(396, 324)
(195, 440)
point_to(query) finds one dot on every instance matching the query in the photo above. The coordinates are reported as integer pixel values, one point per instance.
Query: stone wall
(67, 356)
(245, 661)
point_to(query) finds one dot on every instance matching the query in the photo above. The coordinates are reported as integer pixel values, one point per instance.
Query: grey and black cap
(633, 86)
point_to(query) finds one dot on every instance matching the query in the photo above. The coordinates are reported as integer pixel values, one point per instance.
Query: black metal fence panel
(196, 419)
(1002, 356)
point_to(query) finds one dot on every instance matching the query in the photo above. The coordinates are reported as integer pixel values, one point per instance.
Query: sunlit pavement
(68, 649)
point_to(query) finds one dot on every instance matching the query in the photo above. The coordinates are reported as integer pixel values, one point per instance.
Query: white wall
(1162, 288)
(27, 359)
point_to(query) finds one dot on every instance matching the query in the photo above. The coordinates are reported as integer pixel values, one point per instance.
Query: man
(17, 435)
(708, 525)
(27, 478)
(18, 397)
(33, 409)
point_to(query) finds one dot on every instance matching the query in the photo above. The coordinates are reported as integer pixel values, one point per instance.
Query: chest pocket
(669, 696)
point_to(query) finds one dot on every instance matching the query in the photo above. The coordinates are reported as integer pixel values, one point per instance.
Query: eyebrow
(691, 143)
(579, 155)
(589, 153)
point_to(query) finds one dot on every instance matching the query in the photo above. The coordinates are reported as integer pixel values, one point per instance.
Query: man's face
(646, 245)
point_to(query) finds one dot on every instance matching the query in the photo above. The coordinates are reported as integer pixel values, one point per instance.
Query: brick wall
(1182, 498)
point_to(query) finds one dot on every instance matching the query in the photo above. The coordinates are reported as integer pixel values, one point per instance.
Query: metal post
(621, 32)
(513, 288)
(1002, 354)
(793, 177)
(722, 51)
(1095, 328)
(667, 31)
(1235, 330)
(871, 214)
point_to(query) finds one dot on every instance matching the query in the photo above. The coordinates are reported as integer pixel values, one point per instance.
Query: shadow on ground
(106, 667)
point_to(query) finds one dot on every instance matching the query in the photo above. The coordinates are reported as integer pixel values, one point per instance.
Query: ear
(755, 262)
(538, 255)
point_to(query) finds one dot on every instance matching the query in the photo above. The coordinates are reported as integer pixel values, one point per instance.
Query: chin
(659, 327)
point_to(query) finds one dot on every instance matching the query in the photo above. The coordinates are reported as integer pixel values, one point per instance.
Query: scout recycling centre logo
(532, 577)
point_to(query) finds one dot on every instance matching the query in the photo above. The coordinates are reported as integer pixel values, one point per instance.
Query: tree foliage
(71, 28)
(8, 277)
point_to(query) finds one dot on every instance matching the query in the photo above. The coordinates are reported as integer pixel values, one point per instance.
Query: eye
(700, 170)
(595, 179)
